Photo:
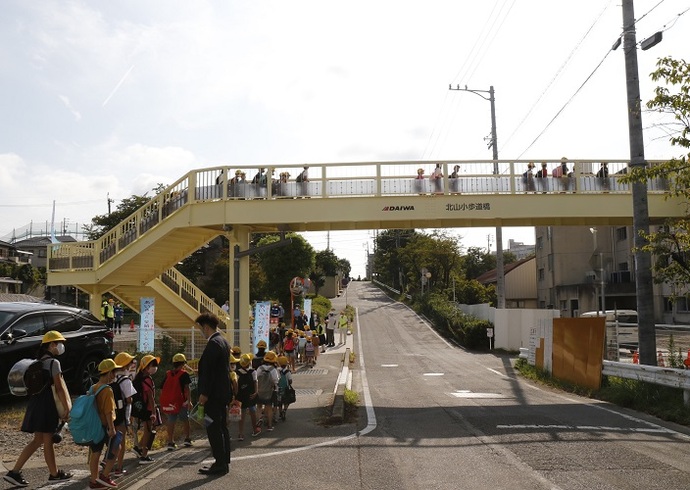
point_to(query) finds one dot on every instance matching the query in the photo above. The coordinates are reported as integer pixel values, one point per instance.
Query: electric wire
(566, 104)
(558, 73)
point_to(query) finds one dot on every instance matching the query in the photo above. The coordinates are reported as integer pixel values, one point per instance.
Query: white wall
(511, 326)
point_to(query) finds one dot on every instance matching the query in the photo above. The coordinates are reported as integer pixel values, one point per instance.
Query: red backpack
(172, 396)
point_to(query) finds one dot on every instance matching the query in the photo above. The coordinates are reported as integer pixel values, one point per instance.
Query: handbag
(58, 403)
(235, 413)
(290, 395)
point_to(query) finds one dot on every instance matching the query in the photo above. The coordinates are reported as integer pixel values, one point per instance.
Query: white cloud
(68, 105)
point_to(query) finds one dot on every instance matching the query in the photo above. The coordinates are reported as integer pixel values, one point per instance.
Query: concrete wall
(511, 326)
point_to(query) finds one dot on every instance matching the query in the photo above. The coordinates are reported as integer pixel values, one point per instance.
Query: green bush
(467, 330)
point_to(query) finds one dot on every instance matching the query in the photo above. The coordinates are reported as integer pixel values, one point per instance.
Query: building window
(681, 304)
(621, 234)
(564, 305)
(541, 274)
(540, 242)
(542, 305)
(43, 252)
(550, 259)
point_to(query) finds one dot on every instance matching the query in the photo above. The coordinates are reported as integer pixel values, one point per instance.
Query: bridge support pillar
(239, 288)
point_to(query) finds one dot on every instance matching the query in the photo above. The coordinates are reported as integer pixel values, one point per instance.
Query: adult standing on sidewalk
(343, 323)
(214, 392)
(331, 322)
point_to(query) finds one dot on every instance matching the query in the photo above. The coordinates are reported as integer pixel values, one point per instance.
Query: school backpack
(85, 423)
(265, 383)
(140, 399)
(289, 344)
(172, 396)
(245, 384)
(27, 377)
(309, 348)
(120, 400)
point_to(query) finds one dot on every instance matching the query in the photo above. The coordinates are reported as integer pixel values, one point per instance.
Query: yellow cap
(123, 358)
(107, 365)
(261, 344)
(233, 359)
(52, 336)
(245, 360)
(146, 360)
(179, 357)
(282, 360)
(236, 350)
(270, 357)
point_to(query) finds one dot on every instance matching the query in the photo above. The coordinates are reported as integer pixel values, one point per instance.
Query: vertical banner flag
(146, 333)
(262, 321)
(307, 308)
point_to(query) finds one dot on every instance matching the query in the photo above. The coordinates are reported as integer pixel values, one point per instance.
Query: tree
(387, 263)
(281, 264)
(670, 246)
(103, 223)
(327, 262)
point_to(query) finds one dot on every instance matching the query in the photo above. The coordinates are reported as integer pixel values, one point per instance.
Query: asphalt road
(434, 416)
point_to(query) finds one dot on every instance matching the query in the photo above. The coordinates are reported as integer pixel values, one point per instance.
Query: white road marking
(389, 365)
(660, 430)
(433, 374)
(469, 394)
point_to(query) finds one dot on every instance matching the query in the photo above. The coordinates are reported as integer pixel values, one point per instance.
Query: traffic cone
(660, 359)
(636, 358)
(131, 325)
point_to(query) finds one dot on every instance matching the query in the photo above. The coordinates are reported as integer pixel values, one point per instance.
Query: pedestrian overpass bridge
(137, 257)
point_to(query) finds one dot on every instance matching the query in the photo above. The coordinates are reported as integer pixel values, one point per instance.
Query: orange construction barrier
(687, 361)
(636, 358)
(131, 325)
(660, 359)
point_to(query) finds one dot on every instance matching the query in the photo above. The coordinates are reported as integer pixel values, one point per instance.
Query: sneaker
(146, 460)
(172, 446)
(118, 473)
(256, 431)
(138, 451)
(16, 479)
(187, 442)
(106, 480)
(269, 429)
(240, 438)
(61, 475)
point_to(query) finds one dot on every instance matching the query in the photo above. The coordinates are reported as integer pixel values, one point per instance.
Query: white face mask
(60, 348)
(153, 370)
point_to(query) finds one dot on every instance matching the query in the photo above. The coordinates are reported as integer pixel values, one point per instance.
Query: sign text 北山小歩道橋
(477, 206)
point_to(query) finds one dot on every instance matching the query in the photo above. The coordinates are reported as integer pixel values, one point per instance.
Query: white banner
(145, 341)
(307, 308)
(262, 321)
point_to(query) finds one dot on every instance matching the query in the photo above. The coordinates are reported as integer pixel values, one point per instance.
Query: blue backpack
(85, 423)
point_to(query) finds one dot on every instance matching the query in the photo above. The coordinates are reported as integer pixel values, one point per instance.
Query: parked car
(88, 341)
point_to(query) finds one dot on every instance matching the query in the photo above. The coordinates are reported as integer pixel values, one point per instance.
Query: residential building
(519, 249)
(520, 283)
(593, 268)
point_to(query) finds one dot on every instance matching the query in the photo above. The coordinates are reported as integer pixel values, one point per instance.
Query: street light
(493, 144)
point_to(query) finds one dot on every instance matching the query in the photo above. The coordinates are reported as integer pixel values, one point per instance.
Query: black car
(88, 341)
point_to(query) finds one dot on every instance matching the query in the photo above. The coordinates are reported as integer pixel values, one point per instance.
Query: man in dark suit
(214, 392)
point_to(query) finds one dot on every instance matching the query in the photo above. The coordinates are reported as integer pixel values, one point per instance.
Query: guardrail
(393, 290)
(673, 378)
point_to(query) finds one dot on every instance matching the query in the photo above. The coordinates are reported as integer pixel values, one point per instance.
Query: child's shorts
(182, 416)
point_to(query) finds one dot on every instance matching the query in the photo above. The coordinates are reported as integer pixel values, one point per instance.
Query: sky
(107, 99)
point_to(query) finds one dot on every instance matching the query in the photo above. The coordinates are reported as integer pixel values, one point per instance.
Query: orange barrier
(660, 359)
(636, 357)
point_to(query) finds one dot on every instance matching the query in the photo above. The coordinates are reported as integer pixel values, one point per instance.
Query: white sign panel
(262, 321)
(145, 342)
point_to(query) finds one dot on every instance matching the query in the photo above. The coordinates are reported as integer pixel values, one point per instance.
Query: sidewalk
(306, 424)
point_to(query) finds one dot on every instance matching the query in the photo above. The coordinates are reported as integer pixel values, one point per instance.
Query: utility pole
(643, 262)
(493, 144)
(110, 201)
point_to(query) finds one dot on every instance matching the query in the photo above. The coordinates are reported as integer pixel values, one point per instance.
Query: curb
(338, 405)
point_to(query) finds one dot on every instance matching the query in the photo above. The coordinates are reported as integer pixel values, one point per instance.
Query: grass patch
(660, 401)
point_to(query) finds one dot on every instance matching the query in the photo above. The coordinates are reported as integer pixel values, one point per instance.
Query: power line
(566, 104)
(558, 73)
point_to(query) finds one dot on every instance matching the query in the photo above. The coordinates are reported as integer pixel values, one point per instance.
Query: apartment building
(581, 267)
